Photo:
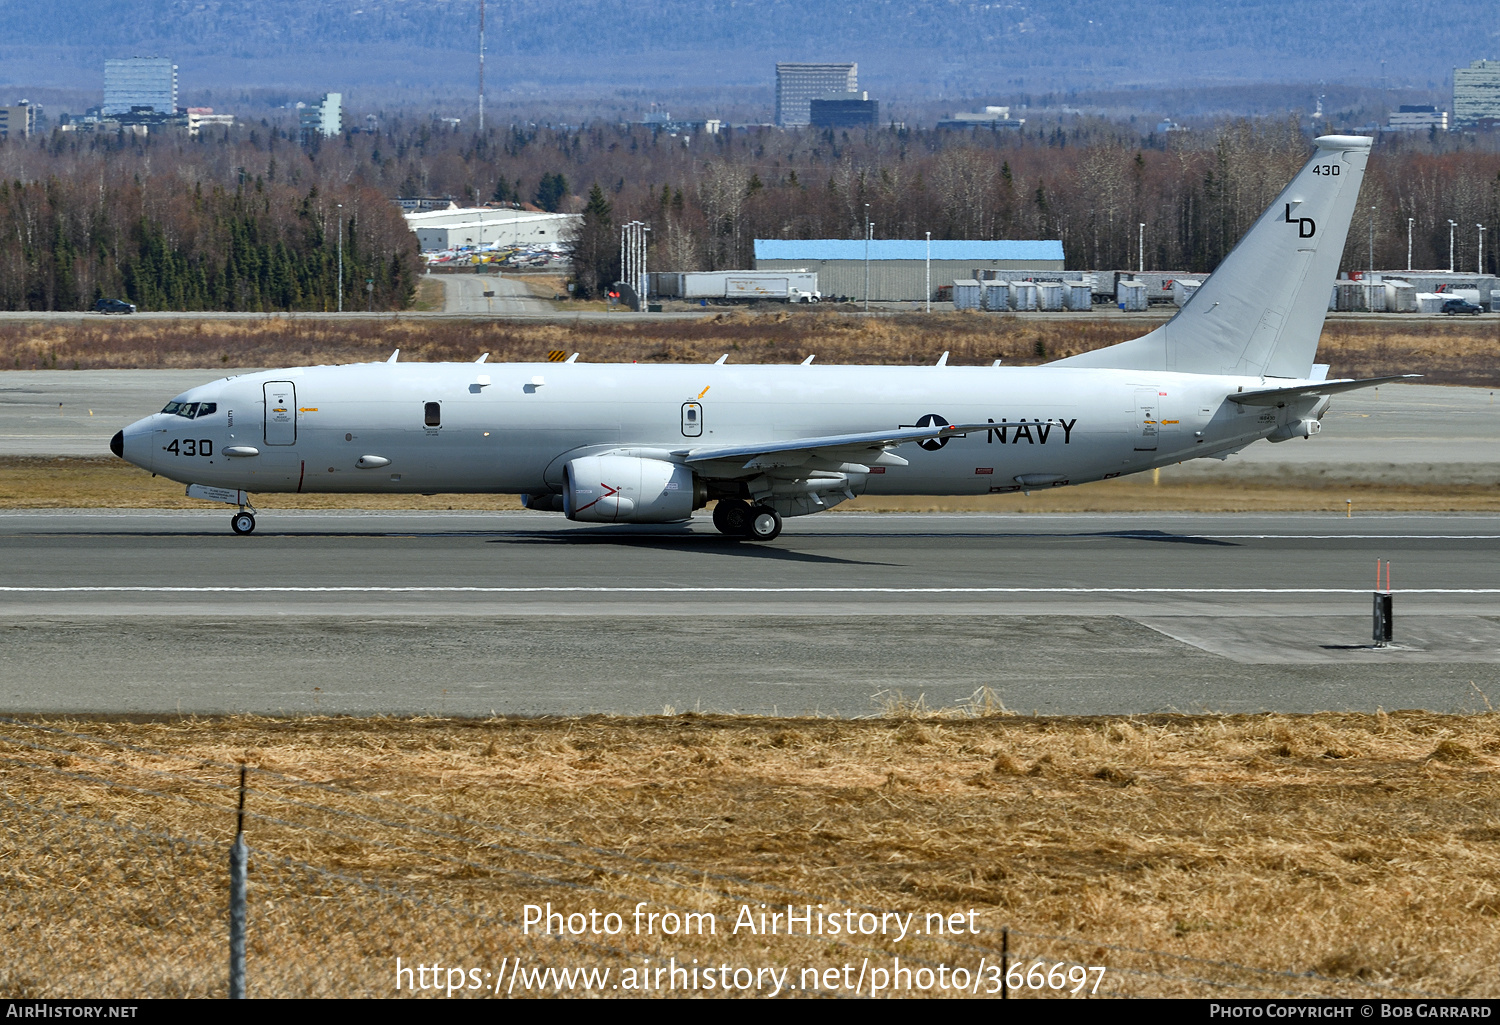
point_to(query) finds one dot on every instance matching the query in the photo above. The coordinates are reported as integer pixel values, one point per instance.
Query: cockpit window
(190, 410)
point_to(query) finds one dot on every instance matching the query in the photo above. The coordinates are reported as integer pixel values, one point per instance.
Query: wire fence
(115, 878)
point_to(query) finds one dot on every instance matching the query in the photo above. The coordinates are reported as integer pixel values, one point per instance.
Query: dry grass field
(1334, 854)
(1447, 352)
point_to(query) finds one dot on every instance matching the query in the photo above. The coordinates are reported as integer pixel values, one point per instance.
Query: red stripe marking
(612, 492)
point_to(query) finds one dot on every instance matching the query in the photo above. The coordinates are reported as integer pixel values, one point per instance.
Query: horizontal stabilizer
(1278, 396)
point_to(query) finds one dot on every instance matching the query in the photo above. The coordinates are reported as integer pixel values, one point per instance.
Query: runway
(458, 613)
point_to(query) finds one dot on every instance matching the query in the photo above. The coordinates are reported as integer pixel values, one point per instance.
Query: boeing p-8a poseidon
(626, 443)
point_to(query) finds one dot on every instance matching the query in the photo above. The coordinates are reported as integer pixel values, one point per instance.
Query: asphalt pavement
(461, 613)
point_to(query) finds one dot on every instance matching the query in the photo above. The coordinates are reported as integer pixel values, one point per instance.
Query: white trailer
(739, 285)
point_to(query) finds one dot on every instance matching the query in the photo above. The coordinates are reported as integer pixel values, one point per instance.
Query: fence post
(1005, 963)
(239, 857)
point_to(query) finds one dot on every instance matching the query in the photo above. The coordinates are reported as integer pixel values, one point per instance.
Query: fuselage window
(432, 414)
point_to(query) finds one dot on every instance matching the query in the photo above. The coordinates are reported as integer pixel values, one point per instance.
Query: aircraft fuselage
(510, 428)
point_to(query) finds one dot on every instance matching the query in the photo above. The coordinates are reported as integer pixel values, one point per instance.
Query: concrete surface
(525, 613)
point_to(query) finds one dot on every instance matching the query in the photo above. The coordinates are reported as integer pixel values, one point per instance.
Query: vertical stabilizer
(1262, 310)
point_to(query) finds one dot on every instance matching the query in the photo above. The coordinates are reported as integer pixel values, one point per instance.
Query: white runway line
(443, 589)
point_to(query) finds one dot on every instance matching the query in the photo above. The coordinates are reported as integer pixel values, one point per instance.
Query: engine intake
(628, 489)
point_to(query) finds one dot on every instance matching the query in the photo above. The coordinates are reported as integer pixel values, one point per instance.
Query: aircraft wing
(1278, 396)
(866, 447)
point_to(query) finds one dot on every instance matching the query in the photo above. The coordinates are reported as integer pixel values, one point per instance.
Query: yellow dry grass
(1333, 854)
(83, 483)
(1447, 352)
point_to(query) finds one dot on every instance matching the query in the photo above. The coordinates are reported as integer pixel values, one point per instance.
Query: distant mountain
(919, 49)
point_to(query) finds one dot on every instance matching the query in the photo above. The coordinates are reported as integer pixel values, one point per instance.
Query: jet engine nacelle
(627, 489)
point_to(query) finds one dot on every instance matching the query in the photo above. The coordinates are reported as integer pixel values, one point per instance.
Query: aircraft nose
(117, 444)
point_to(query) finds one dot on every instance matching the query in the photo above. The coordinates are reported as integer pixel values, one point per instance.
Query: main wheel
(732, 517)
(242, 523)
(765, 524)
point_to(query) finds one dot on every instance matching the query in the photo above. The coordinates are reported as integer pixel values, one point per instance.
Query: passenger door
(281, 413)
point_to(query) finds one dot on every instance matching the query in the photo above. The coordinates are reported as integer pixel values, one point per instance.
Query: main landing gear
(242, 522)
(741, 519)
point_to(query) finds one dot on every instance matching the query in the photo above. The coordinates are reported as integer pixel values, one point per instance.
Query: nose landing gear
(242, 523)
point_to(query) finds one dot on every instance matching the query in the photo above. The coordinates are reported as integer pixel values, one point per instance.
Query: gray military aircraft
(627, 443)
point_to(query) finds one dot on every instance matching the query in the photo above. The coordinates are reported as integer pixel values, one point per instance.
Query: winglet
(942, 360)
(571, 359)
(722, 360)
(808, 362)
(393, 356)
(482, 357)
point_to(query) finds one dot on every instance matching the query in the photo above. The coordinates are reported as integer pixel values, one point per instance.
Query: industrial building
(1476, 95)
(324, 120)
(199, 118)
(438, 230)
(1417, 117)
(18, 121)
(844, 110)
(898, 268)
(797, 85)
(993, 118)
(140, 85)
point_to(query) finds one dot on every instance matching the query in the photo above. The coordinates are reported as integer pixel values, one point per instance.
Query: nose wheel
(242, 523)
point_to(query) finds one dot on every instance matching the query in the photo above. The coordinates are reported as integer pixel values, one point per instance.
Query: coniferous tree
(596, 249)
(551, 191)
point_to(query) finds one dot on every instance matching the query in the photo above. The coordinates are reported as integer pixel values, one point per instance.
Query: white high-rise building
(325, 119)
(797, 85)
(1476, 93)
(131, 82)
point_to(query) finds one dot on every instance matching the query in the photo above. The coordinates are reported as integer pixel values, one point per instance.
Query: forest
(246, 219)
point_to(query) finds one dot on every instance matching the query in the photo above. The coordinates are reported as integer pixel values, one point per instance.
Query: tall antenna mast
(481, 67)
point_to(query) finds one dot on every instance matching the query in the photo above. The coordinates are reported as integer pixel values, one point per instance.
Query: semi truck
(791, 286)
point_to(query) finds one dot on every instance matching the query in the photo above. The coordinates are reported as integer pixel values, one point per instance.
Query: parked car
(113, 306)
(1453, 307)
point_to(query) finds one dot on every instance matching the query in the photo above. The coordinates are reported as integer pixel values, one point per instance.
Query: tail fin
(1261, 312)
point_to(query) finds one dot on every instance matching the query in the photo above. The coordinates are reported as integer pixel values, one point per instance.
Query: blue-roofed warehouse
(898, 267)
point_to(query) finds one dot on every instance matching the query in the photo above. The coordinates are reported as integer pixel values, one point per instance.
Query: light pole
(1409, 222)
(1480, 268)
(929, 272)
(1372, 243)
(341, 257)
(1140, 249)
(633, 261)
(867, 257)
(1451, 225)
